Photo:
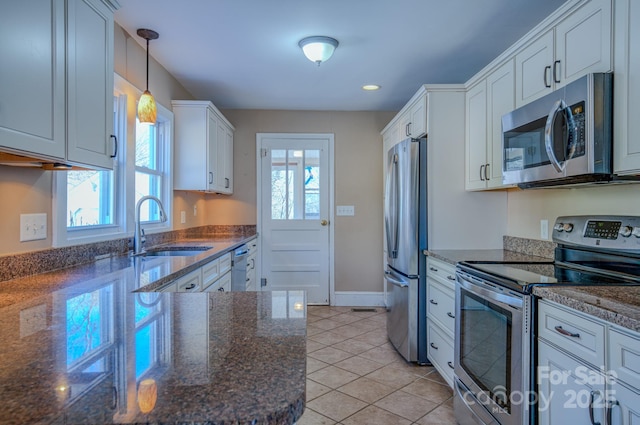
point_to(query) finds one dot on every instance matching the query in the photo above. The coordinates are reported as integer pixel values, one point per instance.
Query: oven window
(485, 346)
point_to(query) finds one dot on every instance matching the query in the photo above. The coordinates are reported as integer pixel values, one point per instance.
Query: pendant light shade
(147, 109)
(318, 49)
(147, 395)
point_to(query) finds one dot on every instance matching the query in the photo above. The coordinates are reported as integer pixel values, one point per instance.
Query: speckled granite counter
(76, 344)
(454, 256)
(619, 305)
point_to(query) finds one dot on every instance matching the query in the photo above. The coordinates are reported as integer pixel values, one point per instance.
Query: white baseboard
(358, 299)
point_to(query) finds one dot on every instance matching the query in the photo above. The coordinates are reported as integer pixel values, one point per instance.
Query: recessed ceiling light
(371, 87)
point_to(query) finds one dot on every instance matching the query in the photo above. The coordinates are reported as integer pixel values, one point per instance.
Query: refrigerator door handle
(395, 282)
(393, 205)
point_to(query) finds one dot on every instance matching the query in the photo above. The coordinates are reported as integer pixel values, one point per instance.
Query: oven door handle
(465, 397)
(506, 301)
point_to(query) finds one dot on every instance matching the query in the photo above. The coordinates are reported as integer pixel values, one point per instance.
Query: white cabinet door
(224, 159)
(500, 100)
(568, 390)
(534, 69)
(476, 137)
(626, 88)
(32, 75)
(90, 83)
(624, 406)
(418, 118)
(211, 165)
(583, 42)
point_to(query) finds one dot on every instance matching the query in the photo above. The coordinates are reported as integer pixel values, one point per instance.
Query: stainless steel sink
(178, 251)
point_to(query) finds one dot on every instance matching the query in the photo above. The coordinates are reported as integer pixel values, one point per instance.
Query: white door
(295, 213)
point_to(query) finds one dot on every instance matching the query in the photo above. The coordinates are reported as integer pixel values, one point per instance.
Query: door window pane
(295, 184)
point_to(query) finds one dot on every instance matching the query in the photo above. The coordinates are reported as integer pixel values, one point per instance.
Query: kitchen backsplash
(529, 246)
(30, 263)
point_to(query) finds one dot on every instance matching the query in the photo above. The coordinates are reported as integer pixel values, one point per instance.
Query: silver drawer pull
(451, 277)
(450, 365)
(221, 289)
(433, 302)
(193, 285)
(433, 269)
(566, 333)
(435, 347)
(450, 315)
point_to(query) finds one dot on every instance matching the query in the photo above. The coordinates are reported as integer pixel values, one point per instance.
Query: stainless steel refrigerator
(405, 220)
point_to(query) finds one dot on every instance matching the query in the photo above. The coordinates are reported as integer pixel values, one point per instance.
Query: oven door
(492, 353)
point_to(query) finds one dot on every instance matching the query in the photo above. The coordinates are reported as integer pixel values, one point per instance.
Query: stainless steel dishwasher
(239, 268)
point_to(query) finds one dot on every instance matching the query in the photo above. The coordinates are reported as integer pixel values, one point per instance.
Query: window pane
(145, 348)
(146, 146)
(89, 198)
(311, 184)
(147, 184)
(88, 323)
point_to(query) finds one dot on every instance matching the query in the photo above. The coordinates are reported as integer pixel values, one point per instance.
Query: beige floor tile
(315, 390)
(414, 368)
(327, 324)
(328, 337)
(382, 355)
(345, 318)
(371, 337)
(328, 354)
(332, 377)
(312, 330)
(435, 376)
(314, 364)
(407, 405)
(358, 365)
(368, 325)
(430, 390)
(313, 346)
(309, 417)
(322, 311)
(336, 405)
(393, 377)
(442, 415)
(353, 346)
(366, 389)
(373, 415)
(349, 330)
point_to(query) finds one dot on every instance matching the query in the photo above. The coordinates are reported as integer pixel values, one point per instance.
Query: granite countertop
(454, 256)
(619, 305)
(77, 343)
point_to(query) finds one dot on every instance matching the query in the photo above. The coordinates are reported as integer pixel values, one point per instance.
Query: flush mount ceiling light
(370, 87)
(147, 109)
(318, 48)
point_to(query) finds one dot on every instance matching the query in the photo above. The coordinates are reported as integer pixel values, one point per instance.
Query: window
(295, 184)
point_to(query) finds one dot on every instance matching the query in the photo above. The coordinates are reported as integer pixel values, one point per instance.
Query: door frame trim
(330, 154)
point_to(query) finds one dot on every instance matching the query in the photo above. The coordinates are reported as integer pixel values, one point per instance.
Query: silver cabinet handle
(482, 172)
(210, 177)
(486, 172)
(450, 315)
(435, 347)
(450, 365)
(451, 278)
(115, 145)
(193, 285)
(566, 332)
(433, 302)
(226, 185)
(547, 69)
(433, 269)
(609, 409)
(555, 71)
(221, 289)
(591, 400)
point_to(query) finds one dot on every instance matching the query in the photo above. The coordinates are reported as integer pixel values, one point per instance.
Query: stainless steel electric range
(495, 311)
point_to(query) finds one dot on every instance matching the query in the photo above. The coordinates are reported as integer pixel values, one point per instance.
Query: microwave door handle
(558, 108)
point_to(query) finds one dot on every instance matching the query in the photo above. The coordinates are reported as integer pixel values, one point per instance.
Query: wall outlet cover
(544, 229)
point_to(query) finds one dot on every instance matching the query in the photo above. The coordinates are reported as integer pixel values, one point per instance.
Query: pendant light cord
(147, 64)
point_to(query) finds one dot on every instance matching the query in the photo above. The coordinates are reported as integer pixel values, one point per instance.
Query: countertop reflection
(96, 352)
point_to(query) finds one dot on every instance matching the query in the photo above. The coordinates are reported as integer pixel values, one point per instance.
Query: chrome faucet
(138, 237)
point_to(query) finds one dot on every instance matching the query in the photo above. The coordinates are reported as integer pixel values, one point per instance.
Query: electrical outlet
(345, 210)
(183, 217)
(544, 229)
(33, 227)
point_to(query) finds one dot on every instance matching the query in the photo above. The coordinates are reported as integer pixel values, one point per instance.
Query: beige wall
(527, 207)
(358, 182)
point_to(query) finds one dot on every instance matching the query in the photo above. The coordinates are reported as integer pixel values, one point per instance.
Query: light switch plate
(183, 217)
(345, 210)
(33, 227)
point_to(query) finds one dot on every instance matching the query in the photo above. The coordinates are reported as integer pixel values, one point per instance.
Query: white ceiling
(244, 54)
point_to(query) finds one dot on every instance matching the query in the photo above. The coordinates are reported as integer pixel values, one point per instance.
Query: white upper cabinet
(56, 100)
(203, 149)
(90, 84)
(32, 91)
(579, 44)
(626, 88)
(411, 121)
(476, 136)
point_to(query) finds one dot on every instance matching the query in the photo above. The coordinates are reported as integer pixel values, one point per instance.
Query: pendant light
(147, 109)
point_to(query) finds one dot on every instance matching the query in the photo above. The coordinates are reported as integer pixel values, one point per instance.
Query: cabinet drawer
(440, 352)
(225, 263)
(624, 352)
(572, 332)
(442, 270)
(441, 304)
(210, 272)
(191, 282)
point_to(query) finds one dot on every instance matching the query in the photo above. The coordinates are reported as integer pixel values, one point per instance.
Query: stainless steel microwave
(565, 137)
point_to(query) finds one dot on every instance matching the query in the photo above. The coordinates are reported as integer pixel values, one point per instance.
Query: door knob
(324, 222)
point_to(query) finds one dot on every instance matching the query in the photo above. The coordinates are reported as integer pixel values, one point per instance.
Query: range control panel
(604, 231)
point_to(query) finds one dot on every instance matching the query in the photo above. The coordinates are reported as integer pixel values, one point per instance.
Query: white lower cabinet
(588, 369)
(441, 296)
(213, 276)
(191, 282)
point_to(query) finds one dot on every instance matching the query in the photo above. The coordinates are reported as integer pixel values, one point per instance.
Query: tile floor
(355, 376)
